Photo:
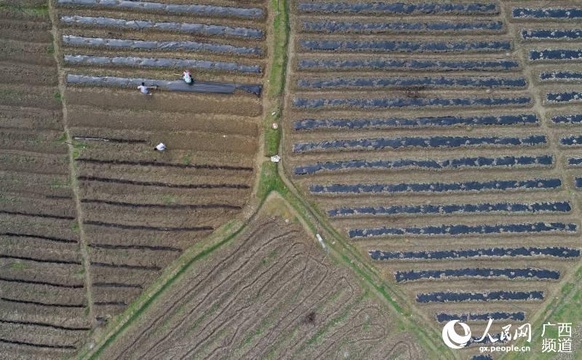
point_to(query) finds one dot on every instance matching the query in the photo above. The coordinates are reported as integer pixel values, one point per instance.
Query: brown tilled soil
(270, 293)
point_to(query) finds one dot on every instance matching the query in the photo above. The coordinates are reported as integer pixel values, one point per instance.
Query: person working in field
(187, 77)
(146, 89)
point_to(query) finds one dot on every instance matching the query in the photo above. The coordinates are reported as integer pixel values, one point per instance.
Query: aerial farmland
(428, 170)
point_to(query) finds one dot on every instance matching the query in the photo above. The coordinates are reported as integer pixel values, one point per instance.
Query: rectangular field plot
(387, 46)
(195, 10)
(435, 121)
(471, 186)
(188, 46)
(397, 8)
(551, 34)
(567, 76)
(468, 209)
(189, 28)
(366, 27)
(507, 162)
(396, 103)
(555, 55)
(498, 252)
(554, 13)
(375, 64)
(399, 82)
(514, 316)
(419, 142)
(476, 273)
(458, 230)
(146, 62)
(480, 296)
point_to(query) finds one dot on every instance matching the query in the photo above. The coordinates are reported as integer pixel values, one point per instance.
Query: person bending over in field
(160, 147)
(146, 89)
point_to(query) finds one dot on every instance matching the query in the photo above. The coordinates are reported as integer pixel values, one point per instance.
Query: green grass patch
(17, 265)
(57, 95)
(270, 181)
(34, 11)
(75, 226)
(281, 33)
(50, 49)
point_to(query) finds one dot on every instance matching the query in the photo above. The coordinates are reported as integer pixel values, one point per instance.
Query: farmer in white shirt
(146, 89)
(160, 147)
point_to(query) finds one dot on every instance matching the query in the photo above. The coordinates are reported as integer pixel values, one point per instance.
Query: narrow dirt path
(73, 169)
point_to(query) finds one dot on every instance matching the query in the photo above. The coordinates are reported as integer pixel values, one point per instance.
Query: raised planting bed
(561, 76)
(459, 229)
(197, 10)
(539, 207)
(397, 8)
(575, 162)
(470, 186)
(194, 46)
(498, 315)
(554, 13)
(551, 34)
(395, 103)
(432, 121)
(418, 142)
(446, 296)
(307, 64)
(91, 60)
(564, 97)
(189, 28)
(388, 46)
(575, 140)
(486, 253)
(404, 82)
(476, 273)
(181, 86)
(365, 27)
(555, 55)
(567, 119)
(427, 164)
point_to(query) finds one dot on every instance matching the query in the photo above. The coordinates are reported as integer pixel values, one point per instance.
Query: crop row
(498, 315)
(555, 55)
(39, 237)
(405, 46)
(559, 252)
(456, 229)
(398, 8)
(91, 60)
(567, 119)
(575, 162)
(542, 207)
(166, 164)
(561, 76)
(199, 86)
(418, 142)
(391, 103)
(196, 29)
(333, 26)
(551, 34)
(125, 44)
(564, 97)
(148, 228)
(196, 10)
(162, 184)
(406, 64)
(527, 273)
(546, 13)
(432, 121)
(479, 296)
(575, 140)
(425, 164)
(474, 186)
(441, 81)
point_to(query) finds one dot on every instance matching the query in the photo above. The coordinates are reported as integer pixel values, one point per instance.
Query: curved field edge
(563, 309)
(197, 252)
